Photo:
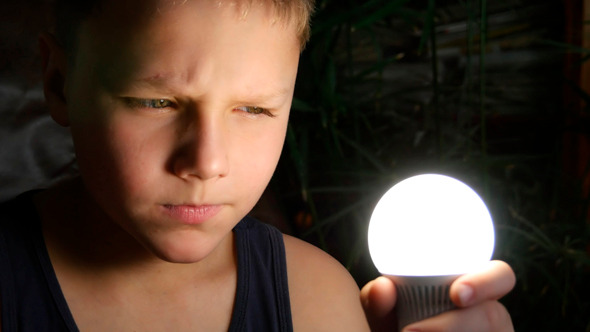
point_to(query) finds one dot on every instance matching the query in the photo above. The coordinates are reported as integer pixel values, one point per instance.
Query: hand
(476, 296)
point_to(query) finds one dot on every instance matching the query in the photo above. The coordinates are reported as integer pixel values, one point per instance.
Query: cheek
(116, 156)
(256, 161)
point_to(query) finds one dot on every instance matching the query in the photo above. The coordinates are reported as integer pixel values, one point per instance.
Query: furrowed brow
(170, 83)
(157, 80)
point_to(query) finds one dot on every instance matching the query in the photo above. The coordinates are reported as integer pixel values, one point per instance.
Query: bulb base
(420, 297)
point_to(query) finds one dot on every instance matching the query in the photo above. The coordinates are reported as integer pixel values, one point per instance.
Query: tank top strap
(30, 294)
(262, 298)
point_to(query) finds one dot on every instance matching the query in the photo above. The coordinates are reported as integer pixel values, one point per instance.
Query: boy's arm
(475, 294)
(324, 297)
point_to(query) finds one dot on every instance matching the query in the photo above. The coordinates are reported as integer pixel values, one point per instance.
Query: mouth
(191, 214)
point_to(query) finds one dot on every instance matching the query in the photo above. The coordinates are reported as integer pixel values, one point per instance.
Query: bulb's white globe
(430, 225)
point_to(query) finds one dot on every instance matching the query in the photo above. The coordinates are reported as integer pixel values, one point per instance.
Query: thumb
(378, 298)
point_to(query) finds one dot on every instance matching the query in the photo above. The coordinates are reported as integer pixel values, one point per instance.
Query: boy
(178, 112)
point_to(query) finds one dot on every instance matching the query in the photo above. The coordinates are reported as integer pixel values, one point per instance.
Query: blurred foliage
(386, 90)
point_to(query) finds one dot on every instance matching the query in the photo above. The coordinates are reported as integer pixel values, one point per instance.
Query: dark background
(491, 92)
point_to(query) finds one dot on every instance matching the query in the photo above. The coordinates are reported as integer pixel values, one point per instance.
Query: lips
(192, 214)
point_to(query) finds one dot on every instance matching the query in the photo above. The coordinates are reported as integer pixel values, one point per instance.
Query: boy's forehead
(137, 12)
(116, 17)
(127, 20)
(124, 43)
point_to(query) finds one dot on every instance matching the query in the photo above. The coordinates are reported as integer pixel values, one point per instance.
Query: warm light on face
(430, 225)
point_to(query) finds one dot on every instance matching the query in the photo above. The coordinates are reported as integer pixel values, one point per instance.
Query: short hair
(69, 15)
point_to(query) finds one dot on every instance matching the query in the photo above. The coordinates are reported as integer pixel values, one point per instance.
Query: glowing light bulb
(425, 232)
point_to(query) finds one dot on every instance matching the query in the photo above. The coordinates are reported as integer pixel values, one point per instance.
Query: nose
(203, 151)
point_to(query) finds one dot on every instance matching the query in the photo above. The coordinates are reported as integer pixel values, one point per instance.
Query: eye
(149, 103)
(255, 110)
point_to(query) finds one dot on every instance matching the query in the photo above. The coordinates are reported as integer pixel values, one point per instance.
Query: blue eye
(159, 103)
(149, 103)
(255, 110)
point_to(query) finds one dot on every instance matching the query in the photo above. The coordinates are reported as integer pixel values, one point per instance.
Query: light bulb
(425, 232)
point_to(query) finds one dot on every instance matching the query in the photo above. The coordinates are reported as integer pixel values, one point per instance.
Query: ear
(54, 77)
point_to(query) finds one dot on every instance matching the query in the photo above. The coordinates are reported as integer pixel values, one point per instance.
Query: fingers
(490, 284)
(378, 299)
(489, 316)
(475, 294)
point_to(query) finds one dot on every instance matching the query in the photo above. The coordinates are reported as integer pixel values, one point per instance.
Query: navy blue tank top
(31, 298)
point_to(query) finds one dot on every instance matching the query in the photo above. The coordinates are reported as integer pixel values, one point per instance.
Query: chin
(184, 249)
(181, 259)
(186, 256)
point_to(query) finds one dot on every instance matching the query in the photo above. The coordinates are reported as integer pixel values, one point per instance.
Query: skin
(159, 99)
(164, 120)
(183, 105)
(475, 295)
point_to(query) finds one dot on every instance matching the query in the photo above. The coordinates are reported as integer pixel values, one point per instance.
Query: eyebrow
(157, 81)
(157, 78)
(279, 94)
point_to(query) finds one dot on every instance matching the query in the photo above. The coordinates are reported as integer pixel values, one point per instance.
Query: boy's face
(178, 115)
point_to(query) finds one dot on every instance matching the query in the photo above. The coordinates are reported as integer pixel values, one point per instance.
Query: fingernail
(465, 294)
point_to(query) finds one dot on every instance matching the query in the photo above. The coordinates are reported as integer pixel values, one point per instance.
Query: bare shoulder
(324, 296)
